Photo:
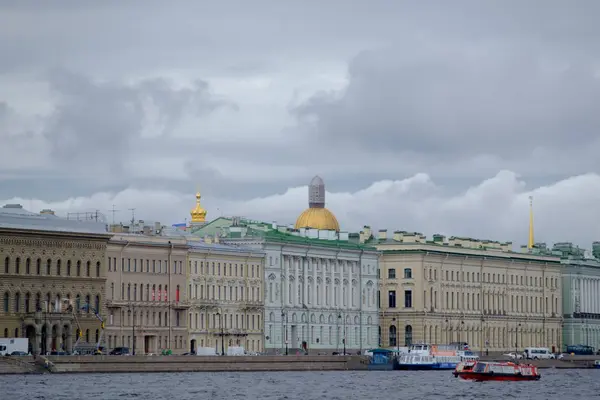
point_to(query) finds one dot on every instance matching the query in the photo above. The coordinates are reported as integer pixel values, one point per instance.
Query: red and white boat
(480, 371)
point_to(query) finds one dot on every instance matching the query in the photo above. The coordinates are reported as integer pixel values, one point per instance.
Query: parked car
(120, 351)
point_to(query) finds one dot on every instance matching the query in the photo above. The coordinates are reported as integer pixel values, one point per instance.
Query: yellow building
(225, 287)
(465, 290)
(52, 279)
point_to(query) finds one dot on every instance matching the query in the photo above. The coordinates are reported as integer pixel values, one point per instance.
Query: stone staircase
(13, 365)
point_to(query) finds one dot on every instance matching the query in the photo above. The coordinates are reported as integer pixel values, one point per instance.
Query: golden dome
(318, 218)
(198, 213)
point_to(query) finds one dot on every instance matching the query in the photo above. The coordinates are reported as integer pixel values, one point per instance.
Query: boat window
(479, 367)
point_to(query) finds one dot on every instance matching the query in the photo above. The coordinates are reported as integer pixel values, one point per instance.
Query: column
(305, 275)
(59, 342)
(295, 285)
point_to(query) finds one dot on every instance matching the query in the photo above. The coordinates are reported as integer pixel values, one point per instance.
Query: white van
(538, 353)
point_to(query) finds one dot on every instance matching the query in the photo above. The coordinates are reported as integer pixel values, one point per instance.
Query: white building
(320, 288)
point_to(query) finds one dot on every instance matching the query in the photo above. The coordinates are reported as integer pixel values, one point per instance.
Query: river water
(343, 385)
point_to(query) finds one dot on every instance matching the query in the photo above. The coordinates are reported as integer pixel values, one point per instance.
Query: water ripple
(346, 385)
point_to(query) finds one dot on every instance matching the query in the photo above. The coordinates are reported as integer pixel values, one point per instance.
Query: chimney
(383, 234)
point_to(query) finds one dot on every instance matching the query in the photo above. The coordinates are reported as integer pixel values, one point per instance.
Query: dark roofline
(511, 256)
(69, 234)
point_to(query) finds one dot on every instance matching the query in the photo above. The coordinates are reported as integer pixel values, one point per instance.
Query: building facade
(315, 290)
(464, 290)
(225, 284)
(319, 286)
(581, 296)
(146, 293)
(52, 279)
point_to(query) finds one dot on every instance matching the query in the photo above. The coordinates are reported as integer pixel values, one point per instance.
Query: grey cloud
(96, 124)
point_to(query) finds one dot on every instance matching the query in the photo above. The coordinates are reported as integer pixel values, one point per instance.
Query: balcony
(251, 305)
(181, 305)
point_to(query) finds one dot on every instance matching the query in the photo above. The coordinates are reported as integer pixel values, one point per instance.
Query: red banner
(165, 295)
(159, 293)
(153, 295)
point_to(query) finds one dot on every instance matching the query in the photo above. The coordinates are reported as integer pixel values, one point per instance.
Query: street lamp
(517, 340)
(284, 314)
(222, 333)
(397, 341)
(344, 337)
(132, 311)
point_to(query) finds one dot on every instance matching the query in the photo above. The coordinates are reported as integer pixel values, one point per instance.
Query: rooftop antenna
(530, 243)
(132, 218)
(114, 210)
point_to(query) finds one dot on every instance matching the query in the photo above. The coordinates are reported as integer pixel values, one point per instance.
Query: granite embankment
(104, 364)
(565, 363)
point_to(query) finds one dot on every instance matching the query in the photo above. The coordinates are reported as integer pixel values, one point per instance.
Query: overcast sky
(434, 116)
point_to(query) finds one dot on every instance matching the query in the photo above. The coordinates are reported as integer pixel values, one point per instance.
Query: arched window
(6, 265)
(88, 303)
(17, 302)
(98, 269)
(159, 292)
(58, 268)
(18, 266)
(48, 266)
(97, 335)
(97, 304)
(5, 332)
(16, 332)
(165, 292)
(38, 302)
(47, 303)
(68, 267)
(88, 268)
(129, 291)
(87, 335)
(6, 302)
(379, 333)
(166, 318)
(408, 331)
(78, 302)
(28, 266)
(38, 266)
(393, 340)
(27, 298)
(78, 272)
(177, 294)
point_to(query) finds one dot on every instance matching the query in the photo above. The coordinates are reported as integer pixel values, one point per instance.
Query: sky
(430, 116)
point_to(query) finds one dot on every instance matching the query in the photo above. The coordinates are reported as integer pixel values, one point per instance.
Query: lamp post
(517, 340)
(132, 310)
(397, 341)
(344, 332)
(222, 333)
(284, 314)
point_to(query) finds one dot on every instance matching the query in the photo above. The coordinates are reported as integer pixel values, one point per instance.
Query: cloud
(495, 209)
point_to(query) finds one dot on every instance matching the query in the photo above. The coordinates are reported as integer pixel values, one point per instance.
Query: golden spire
(530, 242)
(198, 213)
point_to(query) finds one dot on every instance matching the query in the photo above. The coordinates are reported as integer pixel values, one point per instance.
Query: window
(408, 335)
(392, 299)
(48, 266)
(6, 302)
(408, 298)
(58, 267)
(393, 340)
(17, 265)
(407, 273)
(6, 265)
(28, 266)
(98, 269)
(88, 269)
(392, 273)
(17, 302)
(78, 268)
